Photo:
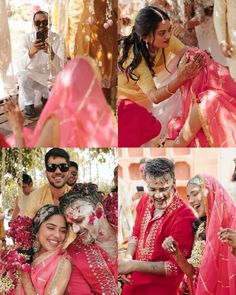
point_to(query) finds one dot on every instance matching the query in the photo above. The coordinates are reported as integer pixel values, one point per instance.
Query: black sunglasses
(39, 22)
(53, 167)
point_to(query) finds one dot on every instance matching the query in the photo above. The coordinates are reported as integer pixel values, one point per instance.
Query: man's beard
(56, 186)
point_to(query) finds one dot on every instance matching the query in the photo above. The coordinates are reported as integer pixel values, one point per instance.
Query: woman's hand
(170, 245)
(177, 29)
(14, 115)
(189, 69)
(228, 236)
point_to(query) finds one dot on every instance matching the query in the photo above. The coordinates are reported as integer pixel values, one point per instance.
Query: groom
(94, 251)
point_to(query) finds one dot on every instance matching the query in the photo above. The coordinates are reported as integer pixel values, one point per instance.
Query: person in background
(73, 174)
(57, 170)
(33, 70)
(225, 26)
(27, 188)
(2, 229)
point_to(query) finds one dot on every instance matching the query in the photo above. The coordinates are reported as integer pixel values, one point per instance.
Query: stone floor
(5, 127)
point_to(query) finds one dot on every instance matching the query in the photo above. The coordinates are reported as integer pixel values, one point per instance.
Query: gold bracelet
(168, 91)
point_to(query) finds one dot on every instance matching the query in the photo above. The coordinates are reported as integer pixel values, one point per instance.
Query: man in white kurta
(225, 26)
(35, 66)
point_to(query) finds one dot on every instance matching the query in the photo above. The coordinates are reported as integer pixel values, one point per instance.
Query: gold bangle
(168, 91)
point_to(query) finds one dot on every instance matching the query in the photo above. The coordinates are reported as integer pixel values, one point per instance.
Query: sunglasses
(39, 22)
(53, 167)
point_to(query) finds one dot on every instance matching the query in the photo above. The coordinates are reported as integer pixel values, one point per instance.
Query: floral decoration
(110, 205)
(17, 258)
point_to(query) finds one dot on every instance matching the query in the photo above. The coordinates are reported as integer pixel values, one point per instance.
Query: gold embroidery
(84, 100)
(146, 243)
(205, 127)
(99, 269)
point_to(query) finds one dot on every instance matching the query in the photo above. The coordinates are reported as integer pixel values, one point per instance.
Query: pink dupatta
(217, 275)
(77, 102)
(214, 90)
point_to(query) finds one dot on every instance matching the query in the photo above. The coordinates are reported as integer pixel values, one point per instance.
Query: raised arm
(189, 70)
(16, 120)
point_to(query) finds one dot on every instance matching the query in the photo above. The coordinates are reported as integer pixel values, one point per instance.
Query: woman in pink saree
(204, 89)
(216, 273)
(50, 269)
(208, 108)
(76, 114)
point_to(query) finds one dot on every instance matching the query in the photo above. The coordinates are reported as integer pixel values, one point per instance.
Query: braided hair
(146, 22)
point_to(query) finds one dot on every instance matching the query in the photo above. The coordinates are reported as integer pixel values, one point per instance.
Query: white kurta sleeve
(23, 56)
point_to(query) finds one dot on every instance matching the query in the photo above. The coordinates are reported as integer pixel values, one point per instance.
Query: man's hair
(39, 12)
(159, 167)
(87, 192)
(73, 164)
(143, 161)
(26, 179)
(57, 152)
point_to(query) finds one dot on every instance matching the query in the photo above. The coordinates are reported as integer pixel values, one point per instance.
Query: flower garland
(18, 257)
(110, 204)
(198, 249)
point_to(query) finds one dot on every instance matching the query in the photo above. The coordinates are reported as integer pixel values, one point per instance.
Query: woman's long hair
(146, 22)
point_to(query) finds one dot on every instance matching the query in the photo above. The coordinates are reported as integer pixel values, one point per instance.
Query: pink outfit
(217, 275)
(214, 91)
(77, 101)
(42, 273)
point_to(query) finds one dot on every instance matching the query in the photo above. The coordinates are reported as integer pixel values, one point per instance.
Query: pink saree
(43, 272)
(45, 269)
(214, 91)
(217, 275)
(77, 102)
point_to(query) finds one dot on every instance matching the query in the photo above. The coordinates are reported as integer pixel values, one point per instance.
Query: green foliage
(14, 162)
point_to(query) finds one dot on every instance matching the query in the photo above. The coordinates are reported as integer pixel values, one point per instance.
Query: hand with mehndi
(228, 236)
(189, 68)
(14, 115)
(170, 245)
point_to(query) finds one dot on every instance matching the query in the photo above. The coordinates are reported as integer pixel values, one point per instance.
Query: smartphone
(41, 35)
(140, 188)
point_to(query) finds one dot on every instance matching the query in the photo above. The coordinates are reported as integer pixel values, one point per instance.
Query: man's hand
(36, 47)
(177, 29)
(124, 266)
